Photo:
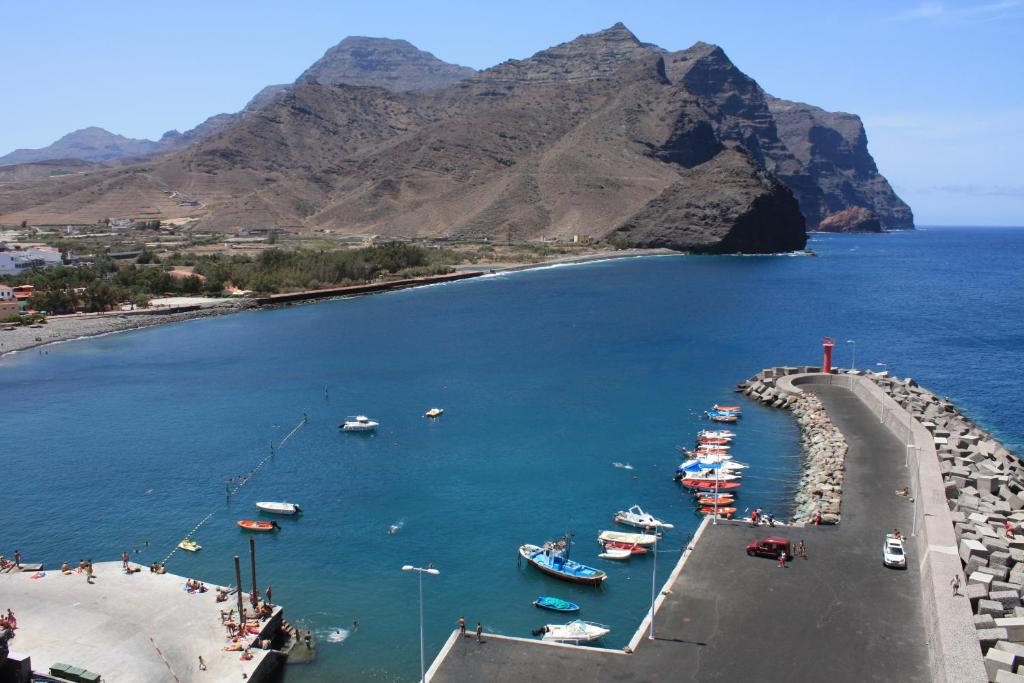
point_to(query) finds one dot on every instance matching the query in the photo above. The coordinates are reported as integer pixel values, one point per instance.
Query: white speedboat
(726, 465)
(434, 412)
(279, 508)
(635, 516)
(575, 632)
(615, 554)
(627, 538)
(716, 434)
(359, 423)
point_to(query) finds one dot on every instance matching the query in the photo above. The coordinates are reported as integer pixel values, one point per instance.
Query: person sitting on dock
(896, 534)
(222, 595)
(11, 620)
(65, 568)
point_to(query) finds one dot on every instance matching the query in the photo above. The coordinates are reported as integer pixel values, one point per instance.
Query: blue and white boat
(555, 604)
(553, 560)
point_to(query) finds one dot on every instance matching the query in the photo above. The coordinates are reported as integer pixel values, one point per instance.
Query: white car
(893, 554)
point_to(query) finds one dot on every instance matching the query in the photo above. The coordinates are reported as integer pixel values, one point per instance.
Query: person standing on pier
(462, 626)
(955, 583)
(269, 594)
(479, 632)
(802, 549)
(17, 559)
(124, 560)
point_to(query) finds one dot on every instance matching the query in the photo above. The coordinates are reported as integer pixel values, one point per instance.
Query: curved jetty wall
(820, 489)
(940, 441)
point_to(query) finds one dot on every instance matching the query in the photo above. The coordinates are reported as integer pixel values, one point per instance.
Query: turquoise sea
(547, 377)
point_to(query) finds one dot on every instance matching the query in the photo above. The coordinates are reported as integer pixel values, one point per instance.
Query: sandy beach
(60, 328)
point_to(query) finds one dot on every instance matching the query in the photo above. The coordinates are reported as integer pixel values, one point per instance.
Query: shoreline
(66, 328)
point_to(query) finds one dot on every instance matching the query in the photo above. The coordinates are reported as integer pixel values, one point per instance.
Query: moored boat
(722, 417)
(257, 525)
(716, 434)
(708, 485)
(555, 604)
(279, 508)
(627, 538)
(615, 554)
(706, 441)
(722, 510)
(724, 500)
(575, 632)
(636, 517)
(726, 465)
(190, 545)
(553, 560)
(727, 409)
(631, 547)
(358, 423)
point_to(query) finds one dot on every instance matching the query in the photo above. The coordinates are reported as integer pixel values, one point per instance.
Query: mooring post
(252, 561)
(238, 584)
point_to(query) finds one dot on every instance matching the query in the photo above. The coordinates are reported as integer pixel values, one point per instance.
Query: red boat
(256, 525)
(721, 510)
(709, 485)
(635, 549)
(727, 409)
(713, 442)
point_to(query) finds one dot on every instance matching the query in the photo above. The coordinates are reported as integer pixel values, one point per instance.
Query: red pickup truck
(770, 547)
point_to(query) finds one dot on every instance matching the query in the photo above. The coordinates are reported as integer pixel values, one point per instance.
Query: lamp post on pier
(654, 589)
(881, 407)
(853, 361)
(421, 571)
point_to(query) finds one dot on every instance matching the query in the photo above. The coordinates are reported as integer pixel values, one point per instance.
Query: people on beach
(462, 627)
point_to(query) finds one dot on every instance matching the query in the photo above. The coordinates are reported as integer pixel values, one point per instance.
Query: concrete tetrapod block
(987, 637)
(1013, 648)
(993, 607)
(984, 621)
(969, 548)
(998, 660)
(1008, 599)
(981, 578)
(1014, 628)
(1003, 676)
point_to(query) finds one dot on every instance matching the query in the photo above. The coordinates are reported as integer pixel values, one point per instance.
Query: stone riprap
(820, 490)
(984, 487)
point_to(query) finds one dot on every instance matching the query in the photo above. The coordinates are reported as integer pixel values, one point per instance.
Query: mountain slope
(88, 144)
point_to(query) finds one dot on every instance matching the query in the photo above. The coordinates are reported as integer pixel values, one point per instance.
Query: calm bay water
(547, 377)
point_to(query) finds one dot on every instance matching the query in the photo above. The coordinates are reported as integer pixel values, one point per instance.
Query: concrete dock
(143, 627)
(839, 615)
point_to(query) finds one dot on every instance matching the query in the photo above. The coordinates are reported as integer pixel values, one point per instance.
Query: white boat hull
(279, 508)
(627, 538)
(575, 632)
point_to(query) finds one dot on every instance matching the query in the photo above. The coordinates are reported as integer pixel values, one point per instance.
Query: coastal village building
(8, 303)
(18, 261)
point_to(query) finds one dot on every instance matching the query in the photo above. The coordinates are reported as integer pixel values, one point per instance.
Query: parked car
(770, 547)
(893, 554)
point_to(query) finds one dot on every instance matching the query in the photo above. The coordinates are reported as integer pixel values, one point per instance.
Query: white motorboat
(635, 516)
(434, 412)
(716, 434)
(615, 554)
(726, 465)
(359, 423)
(627, 538)
(279, 508)
(707, 475)
(575, 632)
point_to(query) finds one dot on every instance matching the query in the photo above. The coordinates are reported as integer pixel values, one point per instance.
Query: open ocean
(547, 377)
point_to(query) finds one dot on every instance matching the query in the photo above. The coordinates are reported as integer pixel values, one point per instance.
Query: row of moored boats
(710, 469)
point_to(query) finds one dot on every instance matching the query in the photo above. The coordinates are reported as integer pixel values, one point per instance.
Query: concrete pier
(144, 627)
(839, 615)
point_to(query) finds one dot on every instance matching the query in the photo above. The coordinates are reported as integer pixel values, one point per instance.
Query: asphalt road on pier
(838, 616)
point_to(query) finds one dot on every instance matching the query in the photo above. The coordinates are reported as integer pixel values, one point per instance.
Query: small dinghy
(627, 538)
(724, 500)
(709, 441)
(358, 423)
(555, 604)
(615, 554)
(636, 517)
(190, 545)
(256, 525)
(710, 462)
(575, 632)
(727, 409)
(279, 508)
(722, 417)
(631, 547)
(434, 412)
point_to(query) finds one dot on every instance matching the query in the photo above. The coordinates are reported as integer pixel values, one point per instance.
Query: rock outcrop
(854, 219)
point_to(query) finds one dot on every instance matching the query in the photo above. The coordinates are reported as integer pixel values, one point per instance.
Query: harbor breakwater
(820, 489)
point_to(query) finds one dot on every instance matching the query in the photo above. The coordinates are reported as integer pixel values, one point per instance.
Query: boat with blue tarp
(555, 604)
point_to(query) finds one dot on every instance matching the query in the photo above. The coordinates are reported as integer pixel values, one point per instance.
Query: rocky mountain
(393, 64)
(396, 65)
(603, 136)
(88, 144)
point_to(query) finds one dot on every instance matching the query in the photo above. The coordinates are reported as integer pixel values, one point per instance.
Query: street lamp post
(853, 362)
(421, 571)
(881, 407)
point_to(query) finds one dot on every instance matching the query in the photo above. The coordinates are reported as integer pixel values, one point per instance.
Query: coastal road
(838, 616)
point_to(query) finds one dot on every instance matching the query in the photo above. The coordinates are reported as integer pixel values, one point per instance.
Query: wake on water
(396, 527)
(333, 635)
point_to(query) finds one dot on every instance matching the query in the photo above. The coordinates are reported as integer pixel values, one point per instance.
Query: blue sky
(940, 85)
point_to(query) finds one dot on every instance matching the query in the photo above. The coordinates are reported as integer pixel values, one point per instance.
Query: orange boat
(724, 500)
(727, 409)
(724, 511)
(713, 442)
(708, 485)
(256, 525)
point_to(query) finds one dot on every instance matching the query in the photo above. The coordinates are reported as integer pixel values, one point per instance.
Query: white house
(13, 263)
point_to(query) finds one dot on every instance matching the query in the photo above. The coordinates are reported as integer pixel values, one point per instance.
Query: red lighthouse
(827, 345)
